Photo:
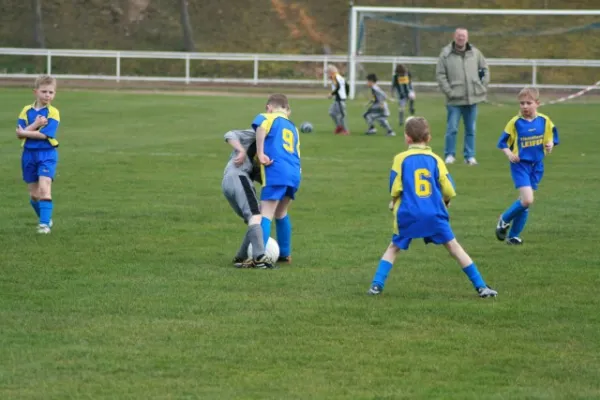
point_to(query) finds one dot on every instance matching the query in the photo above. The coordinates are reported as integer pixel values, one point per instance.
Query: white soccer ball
(271, 251)
(306, 127)
(412, 95)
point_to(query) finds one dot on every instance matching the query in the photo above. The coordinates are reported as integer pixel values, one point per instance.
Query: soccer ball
(271, 251)
(306, 127)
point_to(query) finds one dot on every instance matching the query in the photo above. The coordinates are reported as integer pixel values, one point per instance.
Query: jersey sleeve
(396, 177)
(261, 121)
(22, 120)
(445, 180)
(379, 94)
(509, 136)
(551, 133)
(53, 121)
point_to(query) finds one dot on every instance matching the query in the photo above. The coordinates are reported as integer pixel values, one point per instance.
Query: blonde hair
(278, 100)
(332, 69)
(417, 129)
(44, 80)
(530, 92)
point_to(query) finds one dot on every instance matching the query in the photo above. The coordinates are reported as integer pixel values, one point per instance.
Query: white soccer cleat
(450, 159)
(43, 229)
(487, 291)
(471, 161)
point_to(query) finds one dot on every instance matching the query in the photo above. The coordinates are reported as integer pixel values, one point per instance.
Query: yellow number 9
(288, 140)
(422, 185)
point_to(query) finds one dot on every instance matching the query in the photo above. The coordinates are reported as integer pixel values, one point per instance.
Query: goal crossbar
(355, 11)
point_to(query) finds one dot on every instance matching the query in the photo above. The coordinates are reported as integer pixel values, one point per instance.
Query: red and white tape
(572, 96)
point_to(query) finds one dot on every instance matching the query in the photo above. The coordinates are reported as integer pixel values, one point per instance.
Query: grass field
(133, 295)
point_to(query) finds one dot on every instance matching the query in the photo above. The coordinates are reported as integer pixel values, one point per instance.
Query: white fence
(255, 79)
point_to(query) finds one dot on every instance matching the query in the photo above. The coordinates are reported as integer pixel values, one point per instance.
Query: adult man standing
(462, 75)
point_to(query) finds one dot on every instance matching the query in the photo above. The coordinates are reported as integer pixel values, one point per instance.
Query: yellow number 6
(422, 185)
(288, 140)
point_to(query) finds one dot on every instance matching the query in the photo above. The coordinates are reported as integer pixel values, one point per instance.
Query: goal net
(554, 49)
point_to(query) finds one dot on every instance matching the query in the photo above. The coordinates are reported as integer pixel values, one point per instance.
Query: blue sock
(381, 275)
(45, 211)
(265, 224)
(474, 276)
(512, 211)
(36, 206)
(284, 235)
(518, 224)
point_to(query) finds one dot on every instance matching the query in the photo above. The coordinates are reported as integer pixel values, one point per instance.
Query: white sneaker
(450, 159)
(486, 292)
(471, 161)
(44, 229)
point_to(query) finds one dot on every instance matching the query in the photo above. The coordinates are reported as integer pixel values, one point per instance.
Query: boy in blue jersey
(526, 139)
(421, 189)
(37, 127)
(278, 151)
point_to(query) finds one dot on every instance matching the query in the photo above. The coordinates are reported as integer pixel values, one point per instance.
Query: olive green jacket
(458, 75)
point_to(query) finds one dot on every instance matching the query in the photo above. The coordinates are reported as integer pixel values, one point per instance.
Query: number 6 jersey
(421, 182)
(282, 145)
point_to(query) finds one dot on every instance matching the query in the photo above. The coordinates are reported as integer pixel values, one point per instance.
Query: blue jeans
(469, 115)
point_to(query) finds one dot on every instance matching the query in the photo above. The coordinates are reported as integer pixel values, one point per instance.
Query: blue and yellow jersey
(526, 138)
(27, 117)
(420, 181)
(282, 145)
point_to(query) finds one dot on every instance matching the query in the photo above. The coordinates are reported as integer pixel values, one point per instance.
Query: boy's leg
(452, 120)
(45, 203)
(469, 268)
(283, 225)
(31, 177)
(411, 107)
(515, 210)
(34, 198)
(385, 264)
(369, 117)
(342, 117)
(469, 114)
(333, 113)
(385, 124)
(401, 107)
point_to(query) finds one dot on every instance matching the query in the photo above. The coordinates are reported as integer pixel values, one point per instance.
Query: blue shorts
(36, 163)
(526, 173)
(443, 236)
(278, 192)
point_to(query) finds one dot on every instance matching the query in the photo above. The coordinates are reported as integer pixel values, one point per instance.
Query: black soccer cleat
(285, 259)
(514, 241)
(501, 229)
(262, 262)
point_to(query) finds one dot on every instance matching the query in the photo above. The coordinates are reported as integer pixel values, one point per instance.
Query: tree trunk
(38, 27)
(188, 39)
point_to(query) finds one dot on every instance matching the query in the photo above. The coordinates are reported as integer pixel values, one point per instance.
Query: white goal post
(355, 20)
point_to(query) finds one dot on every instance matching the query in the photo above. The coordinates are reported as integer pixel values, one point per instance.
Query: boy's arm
(395, 183)
(507, 140)
(446, 183)
(25, 134)
(550, 137)
(336, 88)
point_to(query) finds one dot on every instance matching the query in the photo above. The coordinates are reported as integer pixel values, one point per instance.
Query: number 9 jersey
(421, 182)
(282, 145)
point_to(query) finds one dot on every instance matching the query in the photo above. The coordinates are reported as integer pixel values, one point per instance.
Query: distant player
(37, 128)
(278, 150)
(239, 191)
(421, 189)
(339, 93)
(526, 139)
(378, 110)
(402, 88)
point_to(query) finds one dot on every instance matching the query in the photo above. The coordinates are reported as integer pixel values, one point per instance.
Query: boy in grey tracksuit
(378, 110)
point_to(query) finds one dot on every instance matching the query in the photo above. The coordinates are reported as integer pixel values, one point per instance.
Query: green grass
(133, 296)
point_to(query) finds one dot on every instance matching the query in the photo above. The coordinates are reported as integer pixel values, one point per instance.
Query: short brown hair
(400, 69)
(417, 128)
(43, 80)
(529, 91)
(278, 100)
